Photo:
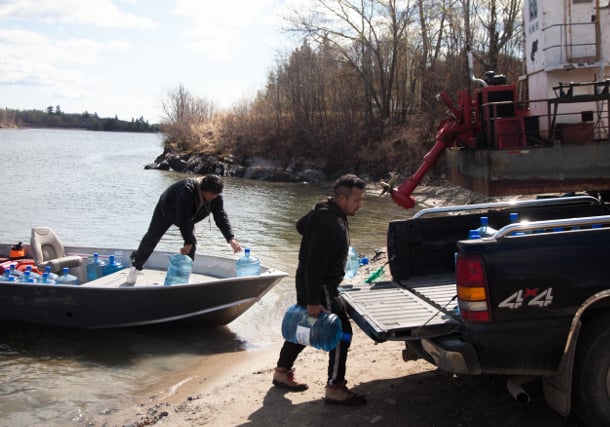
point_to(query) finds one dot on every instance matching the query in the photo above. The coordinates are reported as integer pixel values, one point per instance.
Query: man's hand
(186, 249)
(235, 246)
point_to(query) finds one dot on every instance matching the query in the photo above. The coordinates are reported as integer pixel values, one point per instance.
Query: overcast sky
(122, 57)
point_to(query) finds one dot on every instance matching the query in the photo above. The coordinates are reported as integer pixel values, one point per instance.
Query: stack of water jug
(485, 230)
(97, 268)
(12, 274)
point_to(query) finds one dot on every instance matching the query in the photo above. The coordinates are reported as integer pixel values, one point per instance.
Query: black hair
(345, 183)
(211, 183)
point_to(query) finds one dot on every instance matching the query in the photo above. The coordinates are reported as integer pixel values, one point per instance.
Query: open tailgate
(414, 309)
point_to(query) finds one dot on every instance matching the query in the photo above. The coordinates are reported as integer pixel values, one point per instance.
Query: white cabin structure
(567, 54)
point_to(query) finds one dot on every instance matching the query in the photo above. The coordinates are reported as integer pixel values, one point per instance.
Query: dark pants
(159, 224)
(337, 357)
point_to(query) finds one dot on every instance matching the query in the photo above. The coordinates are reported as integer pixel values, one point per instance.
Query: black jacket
(181, 205)
(322, 253)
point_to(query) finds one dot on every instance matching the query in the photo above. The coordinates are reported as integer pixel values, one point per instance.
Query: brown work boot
(284, 378)
(339, 394)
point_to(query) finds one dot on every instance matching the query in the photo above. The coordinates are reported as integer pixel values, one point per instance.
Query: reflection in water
(95, 367)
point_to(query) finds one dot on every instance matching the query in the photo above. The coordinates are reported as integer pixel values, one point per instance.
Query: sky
(123, 57)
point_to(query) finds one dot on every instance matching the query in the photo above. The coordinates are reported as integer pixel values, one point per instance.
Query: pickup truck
(530, 302)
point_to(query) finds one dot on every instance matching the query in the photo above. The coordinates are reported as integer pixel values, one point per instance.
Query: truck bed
(413, 309)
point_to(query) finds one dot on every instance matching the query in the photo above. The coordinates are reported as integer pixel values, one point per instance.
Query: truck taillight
(472, 289)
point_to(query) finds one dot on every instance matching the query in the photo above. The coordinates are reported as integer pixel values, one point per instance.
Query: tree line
(56, 118)
(359, 93)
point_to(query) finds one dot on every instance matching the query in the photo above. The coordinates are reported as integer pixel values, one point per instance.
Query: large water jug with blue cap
(178, 270)
(95, 267)
(26, 278)
(485, 230)
(46, 280)
(66, 278)
(323, 332)
(248, 265)
(112, 267)
(352, 263)
(50, 274)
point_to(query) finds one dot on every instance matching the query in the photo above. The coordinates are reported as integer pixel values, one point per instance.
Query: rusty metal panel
(546, 169)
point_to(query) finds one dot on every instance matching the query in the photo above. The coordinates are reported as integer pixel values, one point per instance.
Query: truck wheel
(592, 373)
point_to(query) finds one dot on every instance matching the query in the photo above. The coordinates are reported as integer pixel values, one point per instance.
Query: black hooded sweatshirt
(182, 206)
(322, 253)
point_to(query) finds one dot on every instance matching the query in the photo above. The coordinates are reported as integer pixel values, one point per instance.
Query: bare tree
(182, 114)
(367, 35)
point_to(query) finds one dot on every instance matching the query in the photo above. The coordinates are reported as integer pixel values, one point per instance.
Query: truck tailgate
(413, 309)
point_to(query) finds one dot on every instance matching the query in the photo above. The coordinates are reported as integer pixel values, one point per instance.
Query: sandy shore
(235, 389)
(413, 393)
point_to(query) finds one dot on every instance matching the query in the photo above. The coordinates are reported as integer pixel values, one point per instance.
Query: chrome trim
(586, 221)
(505, 204)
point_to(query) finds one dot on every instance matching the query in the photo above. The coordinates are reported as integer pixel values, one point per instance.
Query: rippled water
(93, 190)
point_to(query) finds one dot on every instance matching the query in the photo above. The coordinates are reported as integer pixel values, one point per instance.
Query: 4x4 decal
(532, 297)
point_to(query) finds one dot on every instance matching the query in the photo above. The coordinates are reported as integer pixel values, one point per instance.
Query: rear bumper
(452, 355)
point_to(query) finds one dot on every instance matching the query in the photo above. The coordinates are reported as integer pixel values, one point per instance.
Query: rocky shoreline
(229, 165)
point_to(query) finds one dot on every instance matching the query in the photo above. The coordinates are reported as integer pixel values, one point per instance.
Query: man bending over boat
(183, 204)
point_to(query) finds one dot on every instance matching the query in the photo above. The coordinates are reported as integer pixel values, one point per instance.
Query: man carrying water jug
(183, 204)
(322, 256)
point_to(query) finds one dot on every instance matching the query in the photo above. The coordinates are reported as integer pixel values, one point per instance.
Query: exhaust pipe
(481, 82)
(516, 391)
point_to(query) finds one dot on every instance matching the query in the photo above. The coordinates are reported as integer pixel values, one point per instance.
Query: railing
(569, 51)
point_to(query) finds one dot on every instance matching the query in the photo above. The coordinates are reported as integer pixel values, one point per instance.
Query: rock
(251, 168)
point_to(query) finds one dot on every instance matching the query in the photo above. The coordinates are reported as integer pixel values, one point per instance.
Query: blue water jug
(248, 265)
(179, 269)
(51, 275)
(485, 230)
(27, 278)
(31, 273)
(352, 263)
(323, 332)
(14, 272)
(95, 267)
(112, 267)
(45, 279)
(473, 234)
(66, 278)
(514, 219)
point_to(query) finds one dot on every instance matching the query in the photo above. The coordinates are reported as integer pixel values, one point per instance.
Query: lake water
(93, 190)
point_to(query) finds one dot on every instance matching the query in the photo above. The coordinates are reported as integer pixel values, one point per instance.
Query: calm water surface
(93, 190)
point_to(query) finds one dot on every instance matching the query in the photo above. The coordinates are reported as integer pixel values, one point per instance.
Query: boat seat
(47, 250)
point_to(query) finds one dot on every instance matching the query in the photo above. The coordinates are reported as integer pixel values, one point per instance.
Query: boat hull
(84, 307)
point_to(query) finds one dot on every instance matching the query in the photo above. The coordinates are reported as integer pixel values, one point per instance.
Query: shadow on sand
(432, 398)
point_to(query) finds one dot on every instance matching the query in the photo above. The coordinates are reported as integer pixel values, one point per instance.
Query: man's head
(210, 187)
(348, 193)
